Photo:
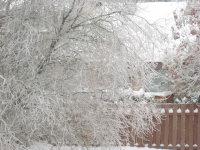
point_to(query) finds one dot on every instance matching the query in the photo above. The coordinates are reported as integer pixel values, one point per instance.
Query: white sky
(160, 12)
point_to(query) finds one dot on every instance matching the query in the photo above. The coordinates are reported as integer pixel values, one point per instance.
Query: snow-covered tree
(62, 64)
(184, 69)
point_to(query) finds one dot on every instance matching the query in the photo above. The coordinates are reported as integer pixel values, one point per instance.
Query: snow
(136, 144)
(163, 110)
(171, 110)
(170, 145)
(44, 146)
(187, 111)
(177, 100)
(195, 145)
(184, 99)
(161, 94)
(161, 145)
(139, 93)
(196, 110)
(179, 110)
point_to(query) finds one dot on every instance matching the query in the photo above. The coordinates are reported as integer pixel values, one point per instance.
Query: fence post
(198, 132)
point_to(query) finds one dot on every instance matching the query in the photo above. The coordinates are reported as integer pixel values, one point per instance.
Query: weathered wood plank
(198, 132)
(191, 122)
(174, 134)
(158, 135)
(166, 132)
(162, 129)
(131, 137)
(182, 127)
(150, 139)
(170, 129)
(187, 124)
(154, 135)
(140, 142)
(179, 127)
(195, 126)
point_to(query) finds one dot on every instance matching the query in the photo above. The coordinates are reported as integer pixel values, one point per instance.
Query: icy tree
(62, 64)
(185, 66)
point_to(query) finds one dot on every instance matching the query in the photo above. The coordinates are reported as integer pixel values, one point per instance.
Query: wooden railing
(180, 129)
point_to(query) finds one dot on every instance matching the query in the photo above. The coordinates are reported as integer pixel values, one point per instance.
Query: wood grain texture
(166, 132)
(150, 138)
(191, 123)
(198, 132)
(183, 127)
(174, 130)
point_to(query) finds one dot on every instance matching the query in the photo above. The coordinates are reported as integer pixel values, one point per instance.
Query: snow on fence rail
(180, 129)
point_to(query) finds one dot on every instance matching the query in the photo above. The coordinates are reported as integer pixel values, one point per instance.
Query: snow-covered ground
(42, 146)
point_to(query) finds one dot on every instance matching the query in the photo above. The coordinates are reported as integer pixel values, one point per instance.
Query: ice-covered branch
(61, 65)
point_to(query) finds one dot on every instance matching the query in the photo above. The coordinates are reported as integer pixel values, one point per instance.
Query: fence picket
(166, 133)
(140, 142)
(131, 137)
(170, 125)
(154, 135)
(191, 121)
(195, 125)
(182, 127)
(179, 127)
(187, 124)
(198, 131)
(162, 132)
(174, 135)
(150, 140)
(158, 127)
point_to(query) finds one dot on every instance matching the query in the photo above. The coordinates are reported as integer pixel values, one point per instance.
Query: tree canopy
(62, 64)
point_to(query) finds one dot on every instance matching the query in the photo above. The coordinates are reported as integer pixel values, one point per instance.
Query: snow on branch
(61, 65)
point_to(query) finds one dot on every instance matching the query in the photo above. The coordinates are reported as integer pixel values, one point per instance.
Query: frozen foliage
(61, 65)
(184, 68)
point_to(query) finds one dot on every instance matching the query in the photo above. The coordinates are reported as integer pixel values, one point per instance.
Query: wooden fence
(180, 129)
